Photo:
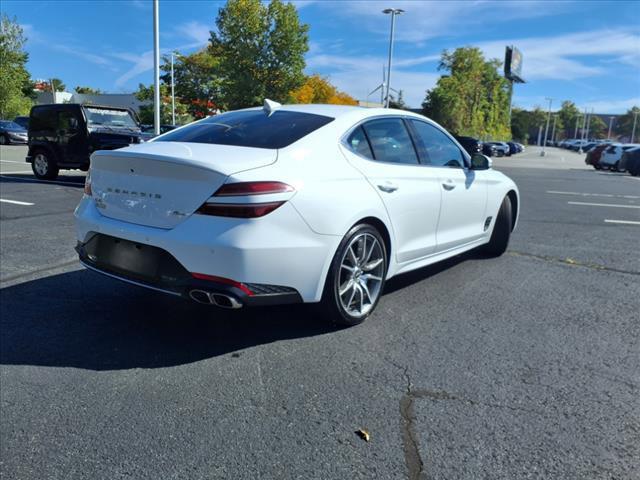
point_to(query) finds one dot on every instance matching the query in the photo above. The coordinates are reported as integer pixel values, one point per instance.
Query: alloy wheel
(361, 274)
(41, 164)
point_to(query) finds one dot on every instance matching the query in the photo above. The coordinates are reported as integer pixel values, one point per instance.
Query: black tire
(4, 140)
(501, 230)
(616, 167)
(44, 165)
(597, 166)
(331, 307)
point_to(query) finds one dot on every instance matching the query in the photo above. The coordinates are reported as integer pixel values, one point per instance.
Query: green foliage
(473, 99)
(261, 50)
(568, 114)
(197, 82)
(87, 90)
(58, 85)
(597, 127)
(145, 94)
(624, 125)
(14, 78)
(525, 123)
(399, 103)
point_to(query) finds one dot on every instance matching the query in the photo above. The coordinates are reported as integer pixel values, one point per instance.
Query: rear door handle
(449, 185)
(387, 187)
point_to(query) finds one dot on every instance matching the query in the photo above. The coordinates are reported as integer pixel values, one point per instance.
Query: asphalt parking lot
(526, 366)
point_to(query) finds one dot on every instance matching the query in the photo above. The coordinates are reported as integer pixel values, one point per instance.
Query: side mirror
(480, 162)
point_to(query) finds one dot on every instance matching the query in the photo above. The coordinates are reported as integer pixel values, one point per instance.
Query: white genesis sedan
(290, 203)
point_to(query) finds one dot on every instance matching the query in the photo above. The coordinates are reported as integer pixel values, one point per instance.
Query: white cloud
(428, 19)
(612, 106)
(556, 57)
(196, 32)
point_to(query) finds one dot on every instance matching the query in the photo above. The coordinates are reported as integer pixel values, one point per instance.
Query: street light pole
(575, 134)
(610, 124)
(584, 126)
(633, 130)
(546, 130)
(393, 12)
(156, 68)
(553, 131)
(173, 95)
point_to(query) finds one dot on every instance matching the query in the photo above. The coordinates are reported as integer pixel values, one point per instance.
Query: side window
(43, 119)
(435, 147)
(359, 144)
(390, 141)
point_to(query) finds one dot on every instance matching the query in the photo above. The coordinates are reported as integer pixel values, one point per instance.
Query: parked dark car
(470, 144)
(11, 132)
(502, 148)
(489, 150)
(22, 121)
(593, 155)
(63, 136)
(630, 161)
(514, 148)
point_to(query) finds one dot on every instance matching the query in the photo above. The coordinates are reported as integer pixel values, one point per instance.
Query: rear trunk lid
(160, 184)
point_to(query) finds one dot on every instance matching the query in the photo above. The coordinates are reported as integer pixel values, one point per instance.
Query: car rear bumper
(278, 256)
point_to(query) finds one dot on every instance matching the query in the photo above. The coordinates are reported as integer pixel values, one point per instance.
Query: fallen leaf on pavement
(363, 434)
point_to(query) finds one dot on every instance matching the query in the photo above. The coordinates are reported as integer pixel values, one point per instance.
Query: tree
(624, 125)
(317, 89)
(568, 114)
(87, 90)
(525, 124)
(197, 82)
(473, 99)
(146, 115)
(14, 78)
(399, 103)
(597, 127)
(58, 85)
(261, 50)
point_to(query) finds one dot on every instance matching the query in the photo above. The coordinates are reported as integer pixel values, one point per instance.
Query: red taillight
(252, 188)
(243, 210)
(225, 281)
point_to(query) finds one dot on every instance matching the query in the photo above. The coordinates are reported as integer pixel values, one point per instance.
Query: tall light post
(553, 131)
(156, 68)
(575, 134)
(610, 125)
(546, 130)
(393, 12)
(633, 130)
(173, 94)
(584, 126)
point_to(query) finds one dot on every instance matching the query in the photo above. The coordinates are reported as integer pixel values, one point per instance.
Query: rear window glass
(252, 128)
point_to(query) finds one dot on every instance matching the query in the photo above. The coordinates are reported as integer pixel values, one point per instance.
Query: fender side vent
(487, 222)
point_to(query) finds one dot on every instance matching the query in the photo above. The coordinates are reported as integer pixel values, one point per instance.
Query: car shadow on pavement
(83, 320)
(65, 180)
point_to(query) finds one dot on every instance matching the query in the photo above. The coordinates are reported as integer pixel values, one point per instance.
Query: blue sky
(587, 51)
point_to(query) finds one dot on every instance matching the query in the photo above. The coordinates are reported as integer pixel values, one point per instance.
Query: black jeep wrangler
(63, 136)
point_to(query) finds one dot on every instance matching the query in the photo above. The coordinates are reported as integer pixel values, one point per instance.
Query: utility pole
(156, 68)
(546, 130)
(393, 12)
(633, 130)
(553, 131)
(539, 134)
(173, 95)
(610, 124)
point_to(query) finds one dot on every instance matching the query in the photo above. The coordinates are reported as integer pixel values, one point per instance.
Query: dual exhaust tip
(218, 299)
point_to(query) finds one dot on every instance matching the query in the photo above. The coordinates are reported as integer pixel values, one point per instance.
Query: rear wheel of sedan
(356, 278)
(501, 230)
(44, 165)
(4, 140)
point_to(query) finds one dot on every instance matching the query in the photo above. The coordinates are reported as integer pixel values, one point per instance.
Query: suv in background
(470, 144)
(22, 121)
(63, 136)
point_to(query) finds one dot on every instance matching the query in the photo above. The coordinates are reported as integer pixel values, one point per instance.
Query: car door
(464, 191)
(383, 151)
(70, 141)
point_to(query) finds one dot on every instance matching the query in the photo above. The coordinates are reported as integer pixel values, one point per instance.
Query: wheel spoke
(353, 256)
(365, 289)
(368, 276)
(353, 294)
(361, 292)
(347, 267)
(371, 265)
(346, 287)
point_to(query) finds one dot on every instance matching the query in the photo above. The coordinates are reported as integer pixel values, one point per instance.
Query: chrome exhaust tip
(218, 299)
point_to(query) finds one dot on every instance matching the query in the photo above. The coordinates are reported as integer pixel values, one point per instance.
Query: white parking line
(603, 205)
(12, 161)
(22, 179)
(608, 195)
(15, 202)
(623, 222)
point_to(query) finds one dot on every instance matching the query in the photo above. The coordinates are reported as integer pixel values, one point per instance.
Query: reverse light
(225, 281)
(87, 185)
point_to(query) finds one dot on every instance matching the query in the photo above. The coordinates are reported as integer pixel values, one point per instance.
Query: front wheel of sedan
(356, 277)
(501, 230)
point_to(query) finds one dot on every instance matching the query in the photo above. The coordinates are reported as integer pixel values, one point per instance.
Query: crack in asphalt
(572, 263)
